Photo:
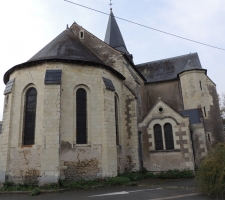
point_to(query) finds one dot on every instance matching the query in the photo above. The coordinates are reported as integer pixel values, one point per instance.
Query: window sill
(25, 147)
(166, 151)
(81, 145)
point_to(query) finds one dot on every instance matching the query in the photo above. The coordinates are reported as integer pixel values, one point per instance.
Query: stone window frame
(22, 119)
(88, 93)
(162, 122)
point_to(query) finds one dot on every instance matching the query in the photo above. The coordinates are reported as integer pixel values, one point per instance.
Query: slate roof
(194, 115)
(113, 36)
(66, 46)
(168, 69)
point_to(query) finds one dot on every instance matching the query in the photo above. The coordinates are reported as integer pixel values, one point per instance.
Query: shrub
(175, 174)
(8, 184)
(135, 176)
(211, 172)
(117, 181)
(36, 191)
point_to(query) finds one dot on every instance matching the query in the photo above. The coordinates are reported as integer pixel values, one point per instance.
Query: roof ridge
(168, 58)
(96, 37)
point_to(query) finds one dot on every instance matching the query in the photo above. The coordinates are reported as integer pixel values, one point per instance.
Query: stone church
(81, 108)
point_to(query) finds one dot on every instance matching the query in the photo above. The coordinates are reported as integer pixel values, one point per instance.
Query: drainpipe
(140, 150)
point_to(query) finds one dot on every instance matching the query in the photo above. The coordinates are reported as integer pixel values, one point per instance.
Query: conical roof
(66, 46)
(113, 36)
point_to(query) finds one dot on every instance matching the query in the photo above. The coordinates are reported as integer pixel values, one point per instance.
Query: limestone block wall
(181, 157)
(55, 153)
(195, 91)
(98, 157)
(199, 91)
(23, 162)
(51, 136)
(199, 142)
(5, 137)
(127, 150)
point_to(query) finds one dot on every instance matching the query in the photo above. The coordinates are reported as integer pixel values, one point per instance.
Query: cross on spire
(111, 4)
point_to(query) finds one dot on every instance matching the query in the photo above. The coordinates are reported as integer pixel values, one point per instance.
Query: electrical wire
(164, 32)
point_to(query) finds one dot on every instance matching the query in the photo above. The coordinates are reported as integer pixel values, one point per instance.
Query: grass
(129, 179)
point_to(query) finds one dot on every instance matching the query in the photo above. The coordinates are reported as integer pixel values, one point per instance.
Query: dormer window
(81, 34)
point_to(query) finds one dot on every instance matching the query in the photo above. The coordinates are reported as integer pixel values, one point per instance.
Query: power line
(177, 36)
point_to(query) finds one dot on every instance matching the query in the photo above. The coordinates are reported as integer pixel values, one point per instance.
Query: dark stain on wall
(128, 116)
(86, 169)
(169, 91)
(214, 122)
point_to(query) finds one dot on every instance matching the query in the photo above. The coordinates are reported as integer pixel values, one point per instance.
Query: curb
(168, 187)
(42, 191)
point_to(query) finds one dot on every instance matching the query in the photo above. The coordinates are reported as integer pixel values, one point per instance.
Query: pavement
(148, 189)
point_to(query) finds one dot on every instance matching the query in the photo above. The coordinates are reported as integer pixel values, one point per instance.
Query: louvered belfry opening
(81, 116)
(168, 136)
(30, 115)
(158, 137)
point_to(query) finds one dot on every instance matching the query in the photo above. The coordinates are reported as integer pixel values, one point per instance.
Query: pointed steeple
(113, 36)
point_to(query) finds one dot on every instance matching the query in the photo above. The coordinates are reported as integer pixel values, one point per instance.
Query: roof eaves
(36, 62)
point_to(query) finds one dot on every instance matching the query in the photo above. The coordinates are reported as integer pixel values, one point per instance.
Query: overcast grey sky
(28, 25)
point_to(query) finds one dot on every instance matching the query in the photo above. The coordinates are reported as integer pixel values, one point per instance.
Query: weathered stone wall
(23, 162)
(99, 154)
(127, 150)
(199, 91)
(199, 142)
(181, 157)
(50, 137)
(80, 161)
(47, 160)
(169, 91)
(213, 123)
(5, 137)
(24, 165)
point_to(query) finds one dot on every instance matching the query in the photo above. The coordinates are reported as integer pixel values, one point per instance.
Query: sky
(28, 25)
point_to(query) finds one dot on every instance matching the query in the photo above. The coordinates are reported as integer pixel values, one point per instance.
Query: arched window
(158, 137)
(168, 136)
(29, 117)
(116, 120)
(81, 116)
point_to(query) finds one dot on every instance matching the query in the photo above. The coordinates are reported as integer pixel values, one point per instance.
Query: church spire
(113, 36)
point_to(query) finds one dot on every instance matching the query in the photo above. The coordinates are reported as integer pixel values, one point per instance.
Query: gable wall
(168, 91)
(181, 157)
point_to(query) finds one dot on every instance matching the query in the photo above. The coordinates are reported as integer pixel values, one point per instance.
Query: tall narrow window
(168, 136)
(81, 116)
(204, 111)
(116, 120)
(29, 117)
(200, 85)
(158, 137)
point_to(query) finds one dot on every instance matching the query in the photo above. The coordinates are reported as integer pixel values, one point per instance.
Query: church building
(81, 108)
